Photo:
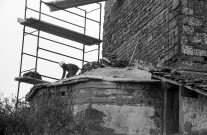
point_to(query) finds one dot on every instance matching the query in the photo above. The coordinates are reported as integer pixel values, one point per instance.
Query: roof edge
(85, 78)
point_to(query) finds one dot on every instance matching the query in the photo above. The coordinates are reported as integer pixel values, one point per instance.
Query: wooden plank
(164, 107)
(64, 4)
(59, 31)
(176, 102)
(181, 112)
(30, 80)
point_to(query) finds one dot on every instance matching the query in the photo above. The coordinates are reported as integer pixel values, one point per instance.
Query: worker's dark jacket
(71, 69)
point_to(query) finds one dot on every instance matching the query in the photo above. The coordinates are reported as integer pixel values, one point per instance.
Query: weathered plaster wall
(152, 25)
(117, 108)
(195, 115)
(127, 109)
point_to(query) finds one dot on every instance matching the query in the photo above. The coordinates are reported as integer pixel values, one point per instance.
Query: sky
(11, 41)
(10, 44)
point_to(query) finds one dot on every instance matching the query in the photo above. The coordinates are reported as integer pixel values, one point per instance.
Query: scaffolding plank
(64, 4)
(59, 31)
(29, 80)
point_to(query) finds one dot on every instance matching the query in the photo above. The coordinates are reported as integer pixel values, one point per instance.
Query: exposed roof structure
(195, 81)
(59, 31)
(64, 4)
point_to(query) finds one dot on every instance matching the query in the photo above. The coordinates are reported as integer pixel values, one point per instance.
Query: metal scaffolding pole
(21, 60)
(38, 41)
(99, 30)
(84, 34)
(51, 29)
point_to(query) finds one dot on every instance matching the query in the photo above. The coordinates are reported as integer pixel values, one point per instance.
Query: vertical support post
(181, 113)
(83, 55)
(38, 40)
(164, 107)
(84, 34)
(99, 30)
(20, 69)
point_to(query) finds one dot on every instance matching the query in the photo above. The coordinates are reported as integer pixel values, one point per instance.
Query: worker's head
(61, 63)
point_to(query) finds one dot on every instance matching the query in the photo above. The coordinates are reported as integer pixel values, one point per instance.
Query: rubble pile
(108, 61)
(34, 75)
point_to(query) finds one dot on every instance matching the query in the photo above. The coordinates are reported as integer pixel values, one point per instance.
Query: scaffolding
(38, 25)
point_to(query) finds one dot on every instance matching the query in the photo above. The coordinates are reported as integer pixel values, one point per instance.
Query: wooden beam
(30, 80)
(64, 4)
(181, 112)
(59, 31)
(164, 107)
(181, 84)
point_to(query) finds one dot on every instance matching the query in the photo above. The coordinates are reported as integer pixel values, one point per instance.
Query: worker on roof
(72, 69)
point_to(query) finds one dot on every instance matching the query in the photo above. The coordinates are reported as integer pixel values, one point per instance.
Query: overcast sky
(10, 47)
(10, 44)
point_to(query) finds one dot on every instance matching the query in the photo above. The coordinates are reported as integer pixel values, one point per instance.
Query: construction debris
(108, 61)
(34, 75)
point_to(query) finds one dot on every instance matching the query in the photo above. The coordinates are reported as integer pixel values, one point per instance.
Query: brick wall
(193, 35)
(170, 32)
(152, 25)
